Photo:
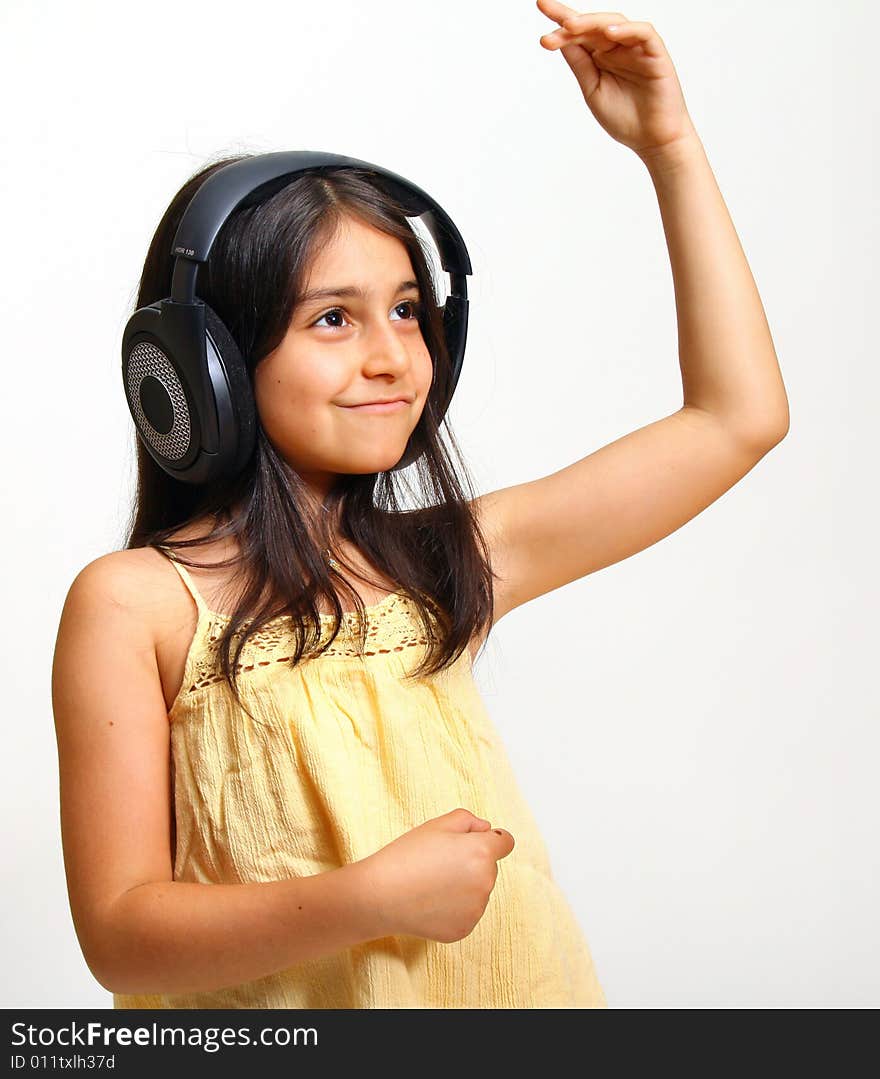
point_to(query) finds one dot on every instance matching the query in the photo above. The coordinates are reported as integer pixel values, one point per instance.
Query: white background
(695, 728)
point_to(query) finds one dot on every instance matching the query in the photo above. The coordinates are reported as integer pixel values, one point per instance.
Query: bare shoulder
(123, 572)
(138, 585)
(113, 746)
(116, 578)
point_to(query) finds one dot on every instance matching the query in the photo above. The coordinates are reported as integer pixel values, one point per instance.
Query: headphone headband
(185, 381)
(262, 176)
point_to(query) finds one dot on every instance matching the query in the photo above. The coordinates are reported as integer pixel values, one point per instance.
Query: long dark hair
(436, 552)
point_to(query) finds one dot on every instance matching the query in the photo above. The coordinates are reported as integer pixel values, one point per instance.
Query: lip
(387, 406)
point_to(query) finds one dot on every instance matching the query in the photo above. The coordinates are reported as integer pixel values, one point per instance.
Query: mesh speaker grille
(145, 359)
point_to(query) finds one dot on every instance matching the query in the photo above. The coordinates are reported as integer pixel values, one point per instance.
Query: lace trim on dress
(391, 627)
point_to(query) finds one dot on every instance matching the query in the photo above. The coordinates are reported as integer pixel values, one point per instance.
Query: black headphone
(185, 381)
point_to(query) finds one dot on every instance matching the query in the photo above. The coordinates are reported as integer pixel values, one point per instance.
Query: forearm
(176, 937)
(728, 362)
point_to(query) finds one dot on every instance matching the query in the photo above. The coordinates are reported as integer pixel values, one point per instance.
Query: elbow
(753, 434)
(115, 981)
(779, 433)
(768, 435)
(108, 955)
(780, 428)
(94, 946)
(765, 442)
(104, 975)
(119, 971)
(117, 947)
(122, 966)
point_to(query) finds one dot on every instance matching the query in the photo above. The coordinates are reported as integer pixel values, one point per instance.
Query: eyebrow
(348, 290)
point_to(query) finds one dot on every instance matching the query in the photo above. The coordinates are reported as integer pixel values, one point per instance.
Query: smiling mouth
(388, 406)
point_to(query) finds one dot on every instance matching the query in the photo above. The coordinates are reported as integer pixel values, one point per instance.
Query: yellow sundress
(343, 758)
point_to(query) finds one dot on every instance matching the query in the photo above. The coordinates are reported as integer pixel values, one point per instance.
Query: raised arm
(641, 487)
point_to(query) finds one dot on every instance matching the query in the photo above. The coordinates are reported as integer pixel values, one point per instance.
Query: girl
(278, 801)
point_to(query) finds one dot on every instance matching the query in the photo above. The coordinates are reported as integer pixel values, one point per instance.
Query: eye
(328, 314)
(415, 305)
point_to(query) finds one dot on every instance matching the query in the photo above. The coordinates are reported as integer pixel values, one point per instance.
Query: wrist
(370, 900)
(674, 156)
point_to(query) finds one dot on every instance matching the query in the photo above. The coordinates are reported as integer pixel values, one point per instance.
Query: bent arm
(629, 494)
(178, 937)
(140, 930)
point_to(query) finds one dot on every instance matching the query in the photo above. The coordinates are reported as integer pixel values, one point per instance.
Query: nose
(385, 349)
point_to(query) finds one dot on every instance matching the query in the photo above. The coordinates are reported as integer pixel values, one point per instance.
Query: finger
(635, 33)
(554, 10)
(589, 42)
(588, 30)
(604, 39)
(590, 19)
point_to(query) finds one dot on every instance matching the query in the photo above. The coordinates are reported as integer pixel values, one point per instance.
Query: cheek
(281, 404)
(426, 371)
(281, 390)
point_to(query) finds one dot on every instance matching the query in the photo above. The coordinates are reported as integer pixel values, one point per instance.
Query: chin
(378, 462)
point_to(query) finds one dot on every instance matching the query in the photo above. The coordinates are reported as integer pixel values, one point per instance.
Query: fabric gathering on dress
(341, 758)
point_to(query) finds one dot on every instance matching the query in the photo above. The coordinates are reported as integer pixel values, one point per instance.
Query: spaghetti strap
(188, 581)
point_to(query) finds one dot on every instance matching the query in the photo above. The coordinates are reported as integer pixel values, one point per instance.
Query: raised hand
(625, 74)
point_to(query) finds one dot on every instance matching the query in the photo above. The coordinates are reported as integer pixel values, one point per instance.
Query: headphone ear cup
(155, 394)
(238, 405)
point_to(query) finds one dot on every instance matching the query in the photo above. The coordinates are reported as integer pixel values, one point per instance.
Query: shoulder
(125, 576)
(136, 587)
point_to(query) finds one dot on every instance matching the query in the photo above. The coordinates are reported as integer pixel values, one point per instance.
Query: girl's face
(342, 350)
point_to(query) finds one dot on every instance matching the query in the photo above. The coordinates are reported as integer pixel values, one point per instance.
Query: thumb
(462, 820)
(581, 63)
(503, 843)
(480, 825)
